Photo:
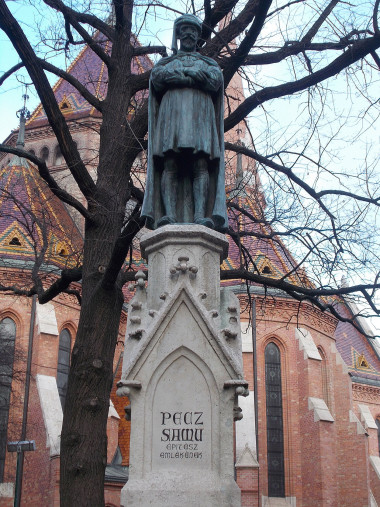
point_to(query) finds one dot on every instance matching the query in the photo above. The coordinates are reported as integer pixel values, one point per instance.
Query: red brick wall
(374, 483)
(248, 481)
(39, 477)
(325, 463)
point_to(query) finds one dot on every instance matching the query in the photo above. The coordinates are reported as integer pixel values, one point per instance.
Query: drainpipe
(255, 391)
(20, 455)
(255, 374)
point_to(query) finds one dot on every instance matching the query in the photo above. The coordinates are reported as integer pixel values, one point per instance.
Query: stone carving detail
(135, 328)
(124, 387)
(237, 388)
(140, 279)
(229, 335)
(183, 267)
(365, 393)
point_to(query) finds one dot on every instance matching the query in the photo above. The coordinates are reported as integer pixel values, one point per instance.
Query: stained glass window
(275, 433)
(7, 350)
(63, 364)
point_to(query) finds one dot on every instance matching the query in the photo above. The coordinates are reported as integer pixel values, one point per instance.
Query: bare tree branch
(61, 284)
(247, 43)
(91, 99)
(232, 30)
(294, 48)
(358, 50)
(288, 172)
(44, 296)
(297, 289)
(312, 32)
(46, 176)
(122, 245)
(46, 94)
(148, 50)
(73, 18)
(213, 15)
(11, 71)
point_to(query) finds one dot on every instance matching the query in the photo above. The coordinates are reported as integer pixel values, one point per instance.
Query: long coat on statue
(186, 121)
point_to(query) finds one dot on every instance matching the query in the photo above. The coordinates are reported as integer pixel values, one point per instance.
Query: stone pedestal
(182, 372)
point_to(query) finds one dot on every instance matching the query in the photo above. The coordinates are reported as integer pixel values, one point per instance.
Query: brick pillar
(247, 478)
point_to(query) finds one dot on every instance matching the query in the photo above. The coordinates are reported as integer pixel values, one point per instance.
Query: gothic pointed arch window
(275, 432)
(63, 364)
(58, 157)
(45, 153)
(7, 351)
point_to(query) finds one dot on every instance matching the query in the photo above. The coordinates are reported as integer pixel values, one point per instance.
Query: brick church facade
(310, 431)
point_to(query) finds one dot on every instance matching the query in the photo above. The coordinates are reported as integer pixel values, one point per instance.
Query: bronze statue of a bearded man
(185, 176)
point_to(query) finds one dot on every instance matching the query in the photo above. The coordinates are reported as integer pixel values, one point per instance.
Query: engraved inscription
(184, 427)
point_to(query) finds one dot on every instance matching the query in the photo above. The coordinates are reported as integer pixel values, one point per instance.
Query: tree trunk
(84, 438)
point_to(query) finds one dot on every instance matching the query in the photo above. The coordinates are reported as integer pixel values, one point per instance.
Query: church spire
(24, 115)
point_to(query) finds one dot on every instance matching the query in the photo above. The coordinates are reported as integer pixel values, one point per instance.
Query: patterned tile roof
(356, 349)
(269, 257)
(92, 72)
(34, 221)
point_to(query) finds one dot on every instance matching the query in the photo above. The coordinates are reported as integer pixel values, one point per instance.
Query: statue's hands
(198, 75)
(178, 78)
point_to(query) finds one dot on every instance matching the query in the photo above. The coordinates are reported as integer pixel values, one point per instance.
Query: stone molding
(306, 343)
(112, 411)
(245, 434)
(268, 501)
(46, 319)
(366, 417)
(359, 427)
(6, 489)
(51, 412)
(372, 501)
(246, 336)
(321, 410)
(247, 459)
(174, 235)
(375, 462)
(338, 358)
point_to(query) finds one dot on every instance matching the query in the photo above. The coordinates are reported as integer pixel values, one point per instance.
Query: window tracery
(275, 432)
(63, 364)
(7, 350)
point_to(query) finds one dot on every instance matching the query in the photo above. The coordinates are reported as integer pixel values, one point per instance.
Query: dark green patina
(185, 177)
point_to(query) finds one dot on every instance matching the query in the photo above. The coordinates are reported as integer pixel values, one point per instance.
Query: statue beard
(187, 39)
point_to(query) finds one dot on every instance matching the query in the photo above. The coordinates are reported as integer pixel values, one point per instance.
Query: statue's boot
(200, 192)
(165, 220)
(169, 191)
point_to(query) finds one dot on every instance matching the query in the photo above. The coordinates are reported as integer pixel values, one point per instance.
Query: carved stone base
(176, 489)
(183, 373)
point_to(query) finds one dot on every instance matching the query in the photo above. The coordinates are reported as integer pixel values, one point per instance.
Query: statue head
(182, 21)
